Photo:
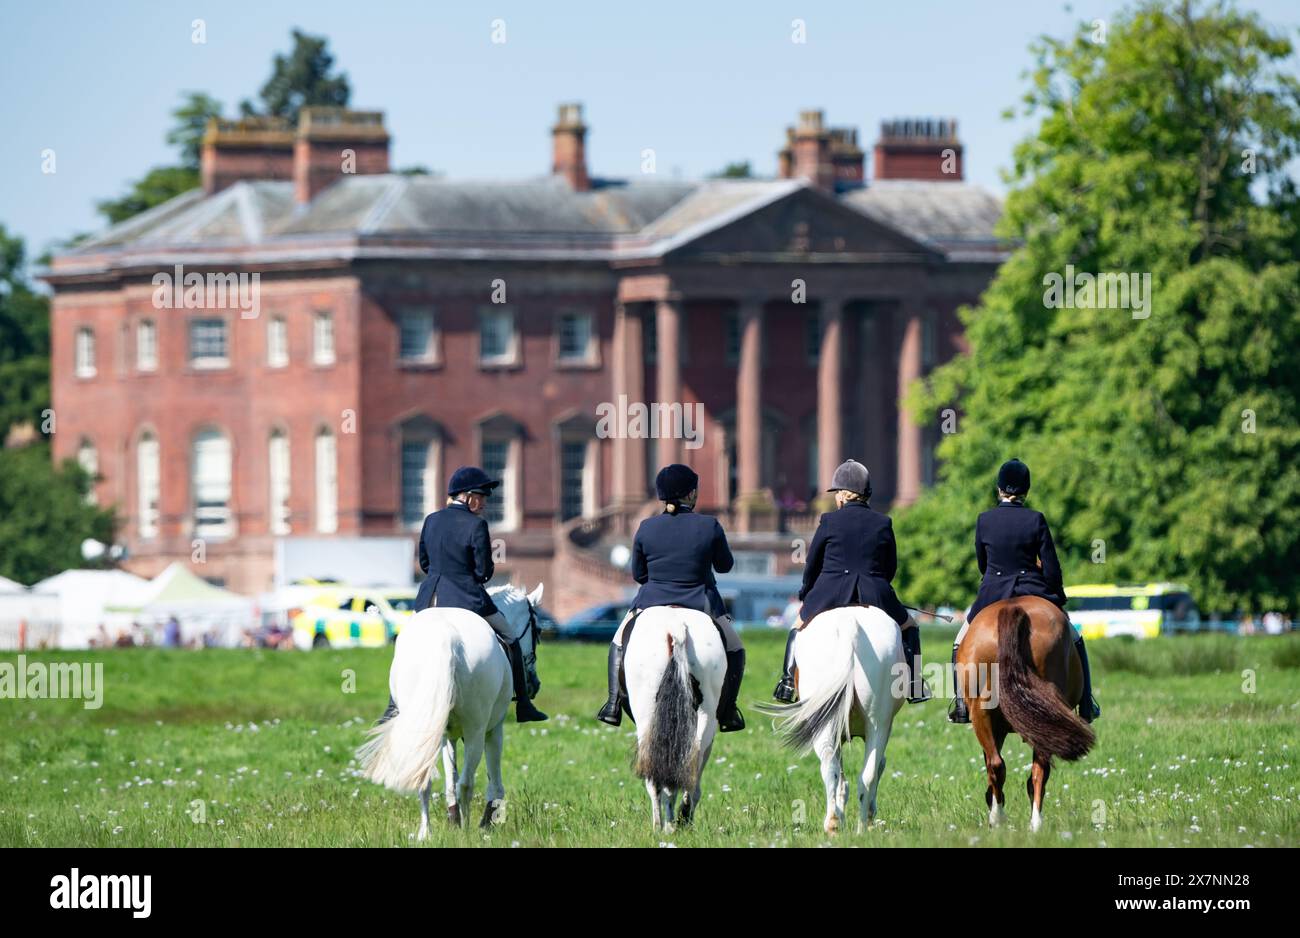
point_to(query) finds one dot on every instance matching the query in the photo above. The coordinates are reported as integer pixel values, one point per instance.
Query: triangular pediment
(802, 224)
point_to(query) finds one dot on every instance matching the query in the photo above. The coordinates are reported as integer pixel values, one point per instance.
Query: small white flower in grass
(1066, 835)
(758, 776)
(117, 830)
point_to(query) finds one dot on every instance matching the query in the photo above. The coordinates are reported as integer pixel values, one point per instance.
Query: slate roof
(383, 215)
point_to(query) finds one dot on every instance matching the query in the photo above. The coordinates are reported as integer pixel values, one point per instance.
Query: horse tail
(401, 752)
(830, 707)
(1033, 706)
(666, 752)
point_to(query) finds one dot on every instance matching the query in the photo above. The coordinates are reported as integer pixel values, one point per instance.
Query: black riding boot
(525, 712)
(917, 692)
(957, 711)
(785, 691)
(730, 719)
(612, 712)
(1088, 708)
(390, 712)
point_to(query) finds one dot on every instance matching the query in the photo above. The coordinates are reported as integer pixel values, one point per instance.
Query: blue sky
(702, 84)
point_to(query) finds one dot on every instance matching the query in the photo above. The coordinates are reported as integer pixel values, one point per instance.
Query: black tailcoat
(456, 556)
(674, 557)
(851, 561)
(1016, 555)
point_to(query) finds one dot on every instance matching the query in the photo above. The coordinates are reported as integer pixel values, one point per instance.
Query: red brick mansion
(309, 344)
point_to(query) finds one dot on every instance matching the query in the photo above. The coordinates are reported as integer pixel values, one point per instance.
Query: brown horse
(1024, 648)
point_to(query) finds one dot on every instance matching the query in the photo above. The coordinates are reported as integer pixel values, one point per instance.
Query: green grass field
(244, 748)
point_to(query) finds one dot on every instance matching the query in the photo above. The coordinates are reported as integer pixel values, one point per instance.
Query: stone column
(909, 433)
(628, 372)
(669, 390)
(749, 400)
(830, 415)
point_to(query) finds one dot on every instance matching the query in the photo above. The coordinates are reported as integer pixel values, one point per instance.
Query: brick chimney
(811, 151)
(918, 148)
(847, 159)
(248, 148)
(333, 142)
(569, 147)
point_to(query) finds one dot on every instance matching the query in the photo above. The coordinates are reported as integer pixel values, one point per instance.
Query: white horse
(668, 647)
(852, 682)
(451, 680)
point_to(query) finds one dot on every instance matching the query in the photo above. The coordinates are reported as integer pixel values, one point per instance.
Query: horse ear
(535, 597)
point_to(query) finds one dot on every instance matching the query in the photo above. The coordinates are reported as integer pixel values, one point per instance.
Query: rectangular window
(148, 486)
(327, 484)
(146, 345)
(416, 481)
(573, 471)
(277, 342)
(208, 343)
(212, 517)
(416, 337)
(85, 349)
(575, 338)
(496, 459)
(496, 337)
(323, 339)
(279, 466)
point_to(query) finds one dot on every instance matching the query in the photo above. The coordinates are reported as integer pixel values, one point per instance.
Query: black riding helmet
(471, 479)
(675, 482)
(1013, 477)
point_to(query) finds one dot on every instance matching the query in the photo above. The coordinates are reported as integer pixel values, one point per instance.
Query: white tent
(200, 608)
(80, 601)
(8, 587)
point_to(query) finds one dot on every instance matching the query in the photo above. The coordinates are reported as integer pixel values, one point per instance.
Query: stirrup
(957, 712)
(785, 691)
(924, 696)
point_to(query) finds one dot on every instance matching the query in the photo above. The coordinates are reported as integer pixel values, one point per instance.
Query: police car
(351, 617)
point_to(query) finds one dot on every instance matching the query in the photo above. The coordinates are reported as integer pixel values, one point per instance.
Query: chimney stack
(333, 142)
(248, 148)
(812, 151)
(569, 147)
(918, 148)
(847, 159)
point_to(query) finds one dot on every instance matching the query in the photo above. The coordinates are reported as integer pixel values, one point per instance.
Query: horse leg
(873, 767)
(450, 779)
(465, 788)
(1038, 775)
(494, 810)
(425, 792)
(828, 751)
(994, 767)
(656, 810)
(706, 728)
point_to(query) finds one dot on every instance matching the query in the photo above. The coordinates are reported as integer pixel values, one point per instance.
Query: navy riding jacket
(852, 559)
(1016, 555)
(674, 557)
(456, 557)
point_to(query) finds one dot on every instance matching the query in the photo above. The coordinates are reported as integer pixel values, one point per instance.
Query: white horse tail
(401, 752)
(831, 705)
(666, 753)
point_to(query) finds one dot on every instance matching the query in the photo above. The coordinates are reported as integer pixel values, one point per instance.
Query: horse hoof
(832, 826)
(493, 813)
(453, 815)
(995, 815)
(1035, 822)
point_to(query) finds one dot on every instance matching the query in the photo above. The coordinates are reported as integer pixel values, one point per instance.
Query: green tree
(24, 341)
(740, 170)
(1170, 445)
(300, 79)
(44, 516)
(191, 122)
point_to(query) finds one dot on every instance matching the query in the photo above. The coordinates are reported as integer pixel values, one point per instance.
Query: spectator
(172, 633)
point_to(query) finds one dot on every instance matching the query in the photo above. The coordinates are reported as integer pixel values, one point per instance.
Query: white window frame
(433, 345)
(323, 339)
(590, 473)
(146, 345)
(280, 482)
(326, 462)
(589, 355)
(510, 357)
(84, 352)
(206, 362)
(148, 485)
(222, 525)
(88, 459)
(431, 441)
(508, 490)
(277, 342)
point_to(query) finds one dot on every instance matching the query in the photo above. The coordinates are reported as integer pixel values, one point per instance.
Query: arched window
(278, 457)
(148, 480)
(327, 482)
(85, 349)
(210, 485)
(146, 345)
(578, 451)
(88, 459)
(500, 443)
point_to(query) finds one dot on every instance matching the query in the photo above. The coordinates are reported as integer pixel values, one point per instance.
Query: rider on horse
(1017, 558)
(674, 555)
(456, 557)
(852, 559)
